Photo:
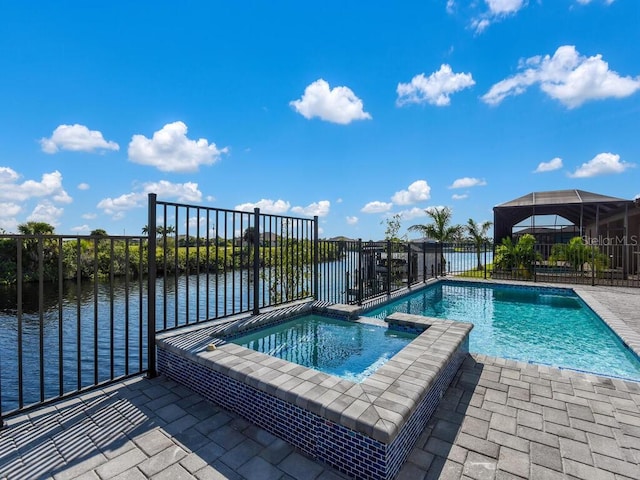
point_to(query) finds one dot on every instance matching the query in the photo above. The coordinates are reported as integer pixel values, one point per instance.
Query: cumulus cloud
(352, 220)
(337, 105)
(49, 186)
(496, 10)
(181, 192)
(553, 164)
(568, 77)
(467, 182)
(46, 211)
(9, 209)
(418, 191)
(89, 216)
(458, 196)
(83, 186)
(276, 207)
(76, 138)
(412, 213)
(504, 7)
(321, 209)
(376, 207)
(81, 228)
(436, 89)
(601, 164)
(171, 151)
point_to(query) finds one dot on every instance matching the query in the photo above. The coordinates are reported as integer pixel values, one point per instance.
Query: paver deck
(498, 419)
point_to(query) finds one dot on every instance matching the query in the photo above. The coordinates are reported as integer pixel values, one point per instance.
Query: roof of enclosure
(577, 206)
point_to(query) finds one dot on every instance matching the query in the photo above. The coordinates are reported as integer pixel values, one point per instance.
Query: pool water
(350, 350)
(555, 328)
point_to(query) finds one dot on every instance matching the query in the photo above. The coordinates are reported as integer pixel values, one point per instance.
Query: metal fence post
(360, 279)
(151, 288)
(256, 261)
(593, 265)
(389, 263)
(316, 258)
(409, 265)
(484, 248)
(424, 262)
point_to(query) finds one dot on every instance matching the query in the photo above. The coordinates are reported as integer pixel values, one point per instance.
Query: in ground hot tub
(364, 429)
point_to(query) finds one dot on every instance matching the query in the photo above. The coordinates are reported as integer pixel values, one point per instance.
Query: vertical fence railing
(71, 315)
(218, 263)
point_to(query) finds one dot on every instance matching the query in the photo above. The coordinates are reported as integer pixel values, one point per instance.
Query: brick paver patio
(499, 419)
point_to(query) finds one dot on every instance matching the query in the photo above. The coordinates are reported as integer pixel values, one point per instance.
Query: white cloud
(76, 138)
(210, 198)
(171, 151)
(83, 186)
(49, 186)
(585, 2)
(352, 220)
(504, 7)
(451, 6)
(181, 192)
(89, 216)
(415, 212)
(458, 196)
(435, 89)
(467, 182)
(9, 209)
(8, 175)
(337, 105)
(81, 228)
(127, 201)
(46, 211)
(276, 207)
(553, 164)
(418, 191)
(496, 10)
(376, 207)
(480, 24)
(601, 164)
(568, 77)
(321, 209)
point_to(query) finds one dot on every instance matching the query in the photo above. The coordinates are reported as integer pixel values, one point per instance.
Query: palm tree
(478, 235)
(160, 230)
(440, 229)
(35, 228)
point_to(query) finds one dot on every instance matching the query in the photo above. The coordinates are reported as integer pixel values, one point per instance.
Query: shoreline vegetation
(103, 257)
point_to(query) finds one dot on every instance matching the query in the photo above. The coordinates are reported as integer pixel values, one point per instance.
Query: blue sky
(348, 110)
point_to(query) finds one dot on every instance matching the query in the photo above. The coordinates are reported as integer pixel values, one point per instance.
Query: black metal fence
(73, 315)
(77, 312)
(571, 263)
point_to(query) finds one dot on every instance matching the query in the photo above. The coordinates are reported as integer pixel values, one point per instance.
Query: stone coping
(378, 407)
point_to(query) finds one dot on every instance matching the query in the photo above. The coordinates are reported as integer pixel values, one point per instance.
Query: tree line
(101, 256)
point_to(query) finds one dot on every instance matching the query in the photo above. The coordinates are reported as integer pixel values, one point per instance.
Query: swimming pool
(532, 324)
(346, 349)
